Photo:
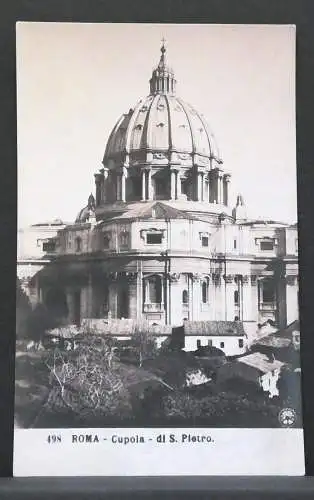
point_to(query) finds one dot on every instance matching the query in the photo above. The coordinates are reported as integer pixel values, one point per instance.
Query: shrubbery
(87, 380)
(221, 410)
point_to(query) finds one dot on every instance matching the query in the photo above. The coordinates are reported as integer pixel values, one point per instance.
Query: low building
(256, 367)
(283, 345)
(229, 336)
(36, 244)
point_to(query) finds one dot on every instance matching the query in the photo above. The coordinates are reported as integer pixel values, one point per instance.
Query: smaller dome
(87, 212)
(83, 215)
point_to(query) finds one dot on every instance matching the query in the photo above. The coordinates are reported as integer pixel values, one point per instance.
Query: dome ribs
(189, 122)
(170, 145)
(131, 124)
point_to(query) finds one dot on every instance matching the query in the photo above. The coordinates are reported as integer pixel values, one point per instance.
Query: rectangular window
(49, 246)
(267, 245)
(124, 239)
(268, 292)
(210, 343)
(222, 345)
(154, 238)
(241, 343)
(235, 244)
(204, 241)
(198, 343)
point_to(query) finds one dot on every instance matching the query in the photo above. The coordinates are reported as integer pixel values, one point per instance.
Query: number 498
(53, 438)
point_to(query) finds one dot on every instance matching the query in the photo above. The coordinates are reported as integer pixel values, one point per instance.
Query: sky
(75, 80)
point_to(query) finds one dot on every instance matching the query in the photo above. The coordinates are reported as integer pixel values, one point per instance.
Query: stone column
(118, 187)
(230, 287)
(214, 186)
(178, 185)
(98, 188)
(196, 296)
(150, 185)
(199, 186)
(254, 297)
(219, 290)
(113, 298)
(105, 182)
(173, 185)
(143, 185)
(132, 280)
(139, 292)
(226, 180)
(123, 177)
(220, 189)
(175, 299)
(246, 296)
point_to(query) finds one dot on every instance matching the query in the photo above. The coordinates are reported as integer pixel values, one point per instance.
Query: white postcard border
(62, 452)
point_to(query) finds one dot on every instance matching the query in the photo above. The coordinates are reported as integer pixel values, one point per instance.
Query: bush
(87, 381)
(221, 410)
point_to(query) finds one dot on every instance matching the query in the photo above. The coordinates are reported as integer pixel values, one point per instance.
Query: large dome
(162, 123)
(163, 149)
(163, 126)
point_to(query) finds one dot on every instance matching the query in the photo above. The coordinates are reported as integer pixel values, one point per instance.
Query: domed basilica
(159, 241)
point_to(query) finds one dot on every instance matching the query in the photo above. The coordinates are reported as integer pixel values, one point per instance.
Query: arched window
(78, 244)
(185, 297)
(236, 297)
(106, 241)
(124, 238)
(153, 289)
(205, 292)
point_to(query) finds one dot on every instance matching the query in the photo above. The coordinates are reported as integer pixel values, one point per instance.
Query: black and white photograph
(157, 256)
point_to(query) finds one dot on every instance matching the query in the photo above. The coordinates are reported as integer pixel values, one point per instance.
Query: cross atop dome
(161, 64)
(162, 80)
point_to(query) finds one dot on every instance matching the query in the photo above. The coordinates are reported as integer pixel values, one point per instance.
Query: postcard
(157, 327)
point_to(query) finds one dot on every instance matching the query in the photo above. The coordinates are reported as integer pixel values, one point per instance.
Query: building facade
(34, 245)
(160, 240)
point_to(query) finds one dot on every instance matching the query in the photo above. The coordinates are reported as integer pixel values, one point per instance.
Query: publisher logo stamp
(287, 417)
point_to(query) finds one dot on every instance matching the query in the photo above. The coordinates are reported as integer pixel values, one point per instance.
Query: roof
(292, 327)
(153, 210)
(261, 362)
(214, 328)
(273, 341)
(55, 222)
(280, 338)
(156, 123)
(264, 222)
(168, 209)
(126, 327)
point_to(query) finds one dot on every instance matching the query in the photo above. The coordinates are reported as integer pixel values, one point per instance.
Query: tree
(144, 345)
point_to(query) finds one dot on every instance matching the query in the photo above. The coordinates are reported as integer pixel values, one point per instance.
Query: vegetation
(99, 381)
